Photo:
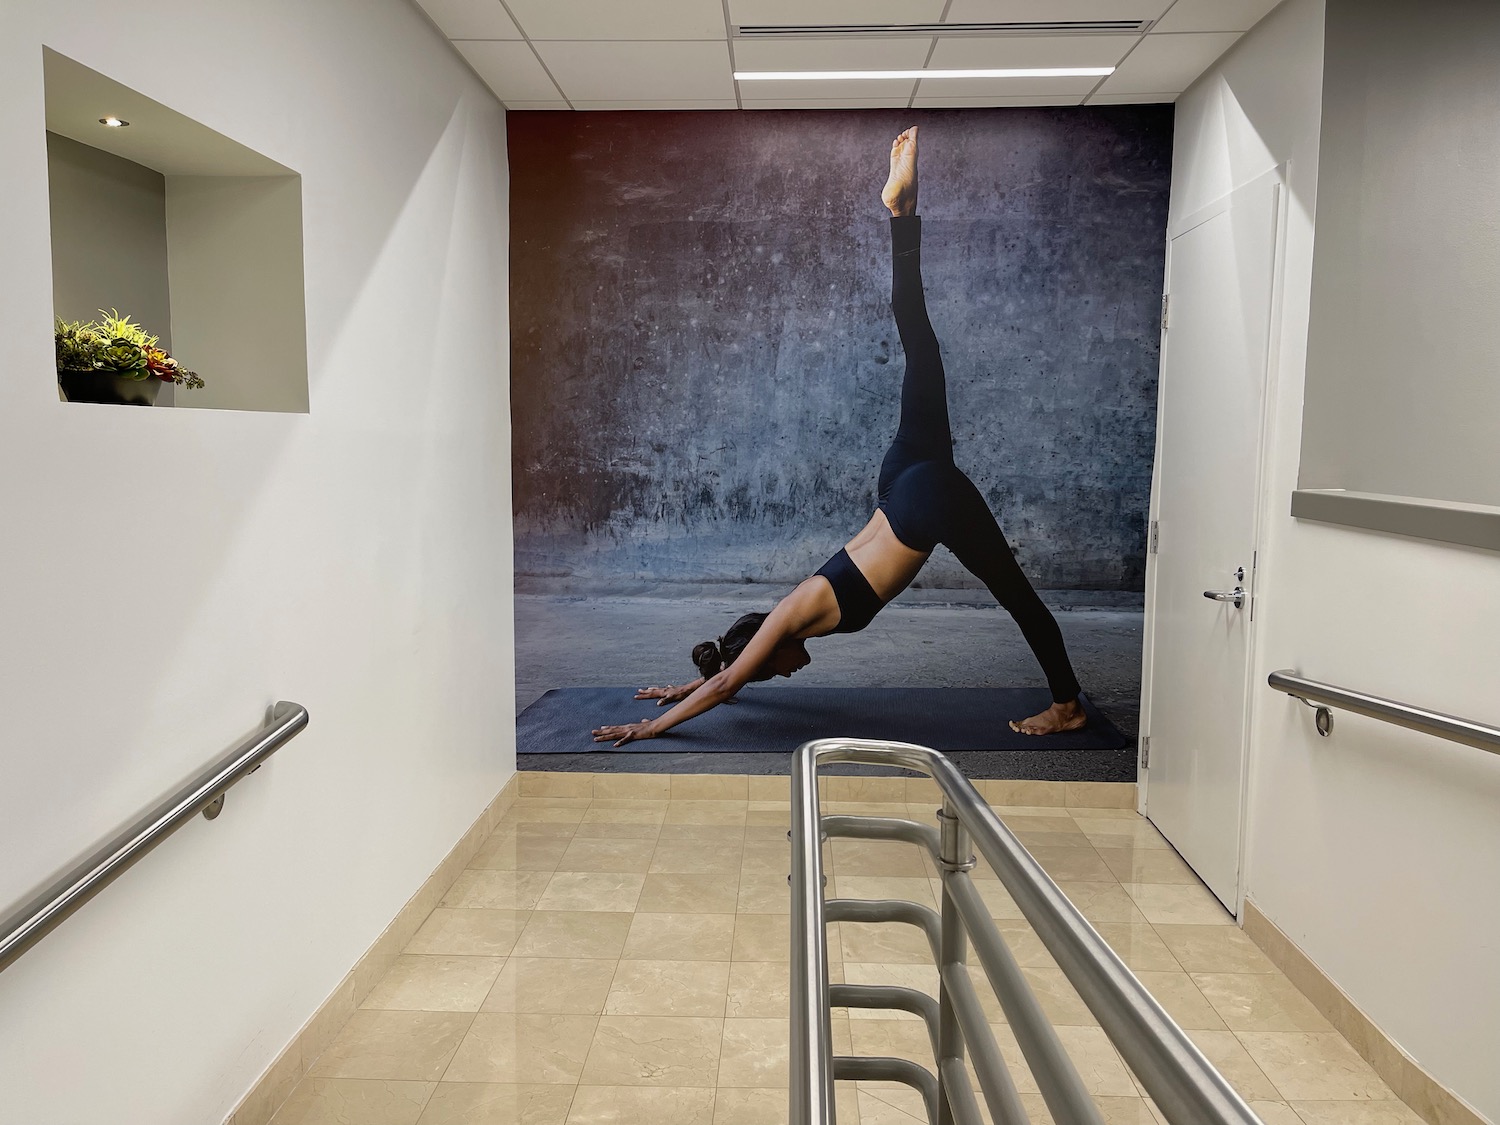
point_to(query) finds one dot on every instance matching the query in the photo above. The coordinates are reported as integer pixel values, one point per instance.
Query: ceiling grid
(685, 54)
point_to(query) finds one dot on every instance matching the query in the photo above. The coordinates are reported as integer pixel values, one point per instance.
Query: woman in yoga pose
(925, 499)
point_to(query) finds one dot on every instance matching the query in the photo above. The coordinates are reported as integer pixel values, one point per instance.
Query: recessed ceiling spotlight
(837, 75)
(113, 122)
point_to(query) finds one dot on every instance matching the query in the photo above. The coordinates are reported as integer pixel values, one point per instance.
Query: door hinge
(1166, 300)
(1155, 536)
(1145, 751)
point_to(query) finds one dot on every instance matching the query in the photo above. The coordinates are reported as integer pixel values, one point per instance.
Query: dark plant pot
(105, 386)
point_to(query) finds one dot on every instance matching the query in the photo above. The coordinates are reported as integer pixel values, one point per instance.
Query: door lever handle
(1237, 596)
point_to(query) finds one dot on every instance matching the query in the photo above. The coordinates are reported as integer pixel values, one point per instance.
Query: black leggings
(926, 497)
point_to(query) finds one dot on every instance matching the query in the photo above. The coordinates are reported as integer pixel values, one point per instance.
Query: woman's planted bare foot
(1059, 717)
(900, 191)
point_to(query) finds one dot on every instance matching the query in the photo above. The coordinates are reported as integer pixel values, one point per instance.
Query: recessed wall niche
(192, 234)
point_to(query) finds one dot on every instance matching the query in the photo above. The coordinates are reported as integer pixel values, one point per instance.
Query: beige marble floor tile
(766, 834)
(765, 789)
(891, 859)
(885, 942)
(1277, 1113)
(650, 814)
(607, 855)
(642, 1105)
(763, 894)
(1117, 1111)
(1313, 1066)
(629, 803)
(695, 857)
(902, 1039)
(557, 811)
(1260, 1002)
(1230, 1059)
(892, 1104)
(1139, 946)
(494, 1103)
(341, 1101)
(507, 1046)
(506, 852)
(730, 836)
(1099, 1065)
(777, 816)
(632, 786)
(654, 1051)
(573, 933)
(1136, 833)
(617, 830)
(759, 989)
(1389, 1112)
(1006, 792)
(754, 1053)
(689, 894)
(1023, 819)
(414, 1046)
(719, 813)
(1077, 864)
(762, 937)
(876, 886)
(1147, 865)
(1084, 815)
(469, 932)
(669, 988)
(432, 983)
(1178, 904)
(1214, 949)
(1058, 998)
(614, 892)
(766, 858)
(710, 787)
(685, 937)
(994, 896)
(1101, 902)
(923, 978)
(551, 986)
(1179, 994)
(478, 888)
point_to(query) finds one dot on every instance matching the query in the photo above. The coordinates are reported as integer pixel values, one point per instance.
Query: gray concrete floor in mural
(572, 634)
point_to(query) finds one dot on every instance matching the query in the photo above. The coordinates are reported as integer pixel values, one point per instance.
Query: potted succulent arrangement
(114, 360)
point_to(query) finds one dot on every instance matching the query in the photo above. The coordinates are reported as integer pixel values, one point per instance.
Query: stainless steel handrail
(1185, 1086)
(40, 912)
(1481, 736)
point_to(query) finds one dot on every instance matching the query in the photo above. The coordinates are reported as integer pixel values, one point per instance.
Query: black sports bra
(858, 602)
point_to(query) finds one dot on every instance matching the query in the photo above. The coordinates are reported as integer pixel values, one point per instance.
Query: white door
(1220, 268)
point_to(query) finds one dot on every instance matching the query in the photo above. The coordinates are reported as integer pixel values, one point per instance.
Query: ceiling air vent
(1028, 27)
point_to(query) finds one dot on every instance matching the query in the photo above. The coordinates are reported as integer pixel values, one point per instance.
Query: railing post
(953, 857)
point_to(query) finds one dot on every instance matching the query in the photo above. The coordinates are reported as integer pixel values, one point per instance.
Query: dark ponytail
(712, 658)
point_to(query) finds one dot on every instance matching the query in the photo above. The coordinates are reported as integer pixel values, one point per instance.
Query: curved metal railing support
(1182, 1082)
(36, 915)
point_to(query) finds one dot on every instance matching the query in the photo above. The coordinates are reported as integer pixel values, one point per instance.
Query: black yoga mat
(777, 719)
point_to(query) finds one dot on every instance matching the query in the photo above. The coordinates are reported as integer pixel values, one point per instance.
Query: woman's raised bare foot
(1058, 717)
(900, 191)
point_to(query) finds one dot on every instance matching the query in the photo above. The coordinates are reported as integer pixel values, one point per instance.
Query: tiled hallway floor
(624, 962)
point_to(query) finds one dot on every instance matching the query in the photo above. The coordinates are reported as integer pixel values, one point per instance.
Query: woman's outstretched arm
(794, 616)
(671, 693)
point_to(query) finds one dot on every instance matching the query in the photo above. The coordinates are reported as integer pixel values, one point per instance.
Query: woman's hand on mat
(664, 695)
(630, 732)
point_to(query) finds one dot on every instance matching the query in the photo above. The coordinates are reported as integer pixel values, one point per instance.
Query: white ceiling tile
(1167, 62)
(883, 88)
(1131, 99)
(640, 71)
(722, 103)
(471, 19)
(831, 54)
(825, 103)
(509, 69)
(803, 13)
(523, 106)
(613, 19)
(1215, 15)
(976, 51)
(1004, 87)
(1008, 11)
(949, 102)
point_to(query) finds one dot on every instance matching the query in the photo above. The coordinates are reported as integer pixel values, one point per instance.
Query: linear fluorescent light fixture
(853, 75)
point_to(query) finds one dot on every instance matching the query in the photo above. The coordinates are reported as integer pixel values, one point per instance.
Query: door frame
(1277, 178)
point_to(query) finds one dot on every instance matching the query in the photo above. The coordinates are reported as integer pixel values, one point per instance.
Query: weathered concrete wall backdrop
(706, 372)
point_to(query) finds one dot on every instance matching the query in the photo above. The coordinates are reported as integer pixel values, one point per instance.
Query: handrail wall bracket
(1324, 698)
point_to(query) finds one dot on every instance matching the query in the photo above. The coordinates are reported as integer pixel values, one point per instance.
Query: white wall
(1374, 850)
(166, 574)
